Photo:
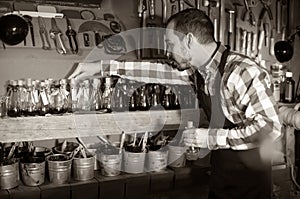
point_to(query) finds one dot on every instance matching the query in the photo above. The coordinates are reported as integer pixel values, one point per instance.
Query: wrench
(55, 34)
(30, 25)
(43, 34)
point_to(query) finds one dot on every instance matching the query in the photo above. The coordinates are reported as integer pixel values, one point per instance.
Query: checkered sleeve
(146, 72)
(250, 104)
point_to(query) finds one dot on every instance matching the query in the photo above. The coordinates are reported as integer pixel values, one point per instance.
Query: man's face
(176, 49)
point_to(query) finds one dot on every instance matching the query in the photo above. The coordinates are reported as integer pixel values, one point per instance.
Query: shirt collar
(211, 66)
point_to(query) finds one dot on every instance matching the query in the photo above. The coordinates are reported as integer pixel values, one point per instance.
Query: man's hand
(85, 70)
(195, 137)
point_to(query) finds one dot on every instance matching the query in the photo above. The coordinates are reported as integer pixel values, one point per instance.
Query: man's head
(188, 34)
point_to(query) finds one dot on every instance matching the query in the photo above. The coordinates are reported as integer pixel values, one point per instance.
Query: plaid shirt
(246, 97)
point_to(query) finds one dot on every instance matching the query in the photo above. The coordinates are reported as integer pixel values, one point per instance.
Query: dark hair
(196, 22)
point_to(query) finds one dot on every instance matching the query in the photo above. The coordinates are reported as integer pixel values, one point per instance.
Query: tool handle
(60, 48)
(98, 39)
(71, 34)
(244, 41)
(260, 39)
(278, 16)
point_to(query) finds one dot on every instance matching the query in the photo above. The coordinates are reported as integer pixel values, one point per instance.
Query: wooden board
(85, 125)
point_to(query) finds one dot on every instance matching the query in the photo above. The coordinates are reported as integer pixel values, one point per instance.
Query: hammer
(230, 40)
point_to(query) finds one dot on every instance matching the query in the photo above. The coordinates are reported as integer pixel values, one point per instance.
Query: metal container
(83, 168)
(110, 164)
(69, 149)
(134, 162)
(59, 166)
(177, 157)
(41, 151)
(9, 175)
(156, 160)
(33, 171)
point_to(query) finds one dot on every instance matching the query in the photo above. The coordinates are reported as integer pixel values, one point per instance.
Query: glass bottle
(21, 96)
(43, 106)
(13, 109)
(64, 93)
(57, 106)
(289, 91)
(107, 95)
(132, 93)
(72, 98)
(95, 95)
(30, 104)
(84, 96)
(155, 96)
(167, 98)
(143, 105)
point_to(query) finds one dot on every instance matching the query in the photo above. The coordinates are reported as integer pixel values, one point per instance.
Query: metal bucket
(110, 164)
(134, 162)
(41, 151)
(156, 160)
(71, 146)
(59, 166)
(176, 156)
(83, 168)
(33, 171)
(9, 175)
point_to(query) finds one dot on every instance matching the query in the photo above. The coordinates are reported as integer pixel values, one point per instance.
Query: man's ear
(189, 37)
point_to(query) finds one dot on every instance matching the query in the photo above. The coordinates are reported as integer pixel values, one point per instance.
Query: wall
(17, 62)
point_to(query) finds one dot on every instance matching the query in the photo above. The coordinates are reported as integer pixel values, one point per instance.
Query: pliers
(55, 34)
(71, 34)
(44, 34)
(265, 9)
(251, 19)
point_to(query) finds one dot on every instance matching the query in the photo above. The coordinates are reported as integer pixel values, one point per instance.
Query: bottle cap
(190, 124)
(20, 82)
(14, 83)
(63, 81)
(42, 84)
(289, 74)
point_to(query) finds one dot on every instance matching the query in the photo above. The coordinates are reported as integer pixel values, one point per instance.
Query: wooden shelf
(88, 125)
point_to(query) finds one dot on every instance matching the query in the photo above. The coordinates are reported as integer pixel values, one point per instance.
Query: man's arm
(248, 95)
(146, 72)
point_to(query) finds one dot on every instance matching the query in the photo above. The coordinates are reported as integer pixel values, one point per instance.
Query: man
(235, 94)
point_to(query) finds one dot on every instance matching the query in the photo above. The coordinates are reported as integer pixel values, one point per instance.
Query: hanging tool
(152, 9)
(86, 39)
(249, 46)
(96, 27)
(244, 41)
(30, 25)
(272, 43)
(278, 16)
(44, 34)
(71, 34)
(248, 13)
(230, 36)
(267, 31)
(164, 12)
(236, 35)
(173, 9)
(197, 4)
(261, 37)
(254, 44)
(55, 34)
(266, 9)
